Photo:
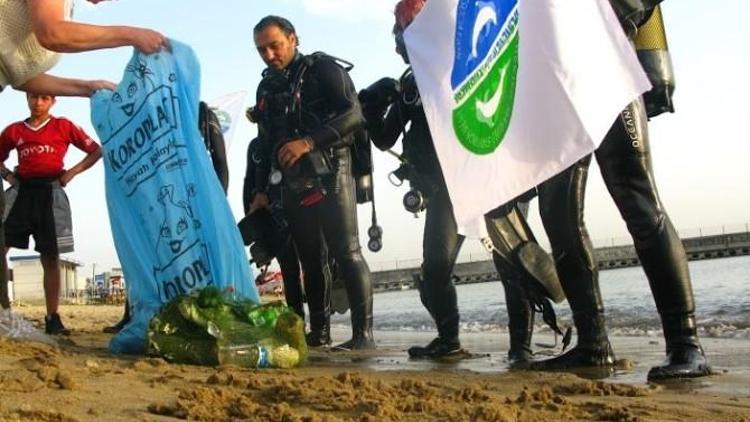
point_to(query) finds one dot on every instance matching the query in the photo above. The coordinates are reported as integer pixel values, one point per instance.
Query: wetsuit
(316, 99)
(625, 162)
(210, 129)
(441, 241)
(281, 241)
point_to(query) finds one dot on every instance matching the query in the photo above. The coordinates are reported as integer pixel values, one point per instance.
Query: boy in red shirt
(36, 202)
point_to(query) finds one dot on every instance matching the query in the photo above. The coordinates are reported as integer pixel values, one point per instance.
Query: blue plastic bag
(171, 223)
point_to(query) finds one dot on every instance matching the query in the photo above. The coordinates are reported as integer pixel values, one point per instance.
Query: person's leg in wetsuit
(338, 217)
(307, 235)
(518, 306)
(440, 246)
(625, 161)
(561, 201)
(290, 271)
(520, 314)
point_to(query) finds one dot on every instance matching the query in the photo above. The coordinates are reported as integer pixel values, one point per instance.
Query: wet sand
(81, 381)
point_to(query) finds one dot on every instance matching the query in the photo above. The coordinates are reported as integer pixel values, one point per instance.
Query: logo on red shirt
(35, 150)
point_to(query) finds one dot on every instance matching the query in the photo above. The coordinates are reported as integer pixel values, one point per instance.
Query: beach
(79, 380)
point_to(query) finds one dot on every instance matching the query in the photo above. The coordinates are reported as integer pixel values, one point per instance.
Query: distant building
(28, 278)
(108, 286)
(113, 279)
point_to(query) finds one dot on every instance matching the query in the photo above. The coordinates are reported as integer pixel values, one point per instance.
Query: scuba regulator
(415, 200)
(375, 100)
(362, 171)
(366, 193)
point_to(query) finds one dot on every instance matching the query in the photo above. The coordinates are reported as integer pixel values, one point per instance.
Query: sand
(80, 381)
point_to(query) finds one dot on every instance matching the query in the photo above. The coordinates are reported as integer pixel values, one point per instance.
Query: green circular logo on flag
(484, 72)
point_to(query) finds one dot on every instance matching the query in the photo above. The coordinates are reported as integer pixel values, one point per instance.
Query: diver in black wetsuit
(309, 144)
(625, 163)
(389, 106)
(441, 242)
(280, 239)
(210, 128)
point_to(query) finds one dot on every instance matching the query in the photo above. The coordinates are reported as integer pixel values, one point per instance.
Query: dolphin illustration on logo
(484, 72)
(486, 16)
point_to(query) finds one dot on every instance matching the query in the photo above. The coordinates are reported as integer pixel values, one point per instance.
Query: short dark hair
(272, 20)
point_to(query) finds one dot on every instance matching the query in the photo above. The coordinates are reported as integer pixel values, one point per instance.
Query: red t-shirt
(41, 150)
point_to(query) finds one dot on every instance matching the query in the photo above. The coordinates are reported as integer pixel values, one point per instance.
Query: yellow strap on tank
(651, 35)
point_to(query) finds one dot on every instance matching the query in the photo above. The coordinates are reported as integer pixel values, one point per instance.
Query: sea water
(721, 287)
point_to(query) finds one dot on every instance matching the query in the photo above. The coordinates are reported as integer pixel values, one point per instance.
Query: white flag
(515, 91)
(229, 109)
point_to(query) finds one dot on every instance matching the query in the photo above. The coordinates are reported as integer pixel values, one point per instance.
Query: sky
(701, 154)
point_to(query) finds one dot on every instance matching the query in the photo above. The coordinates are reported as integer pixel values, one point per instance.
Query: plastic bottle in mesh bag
(259, 355)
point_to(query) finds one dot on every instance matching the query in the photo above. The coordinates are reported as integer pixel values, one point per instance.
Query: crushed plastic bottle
(258, 356)
(244, 355)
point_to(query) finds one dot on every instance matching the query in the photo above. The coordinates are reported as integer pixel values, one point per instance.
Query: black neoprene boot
(445, 344)
(444, 310)
(437, 348)
(663, 258)
(320, 329)
(361, 340)
(593, 348)
(520, 325)
(520, 354)
(122, 323)
(361, 309)
(319, 337)
(685, 356)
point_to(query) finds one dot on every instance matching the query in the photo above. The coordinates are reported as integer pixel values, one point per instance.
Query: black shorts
(41, 209)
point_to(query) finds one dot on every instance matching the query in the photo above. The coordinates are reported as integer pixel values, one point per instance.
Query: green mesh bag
(209, 327)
